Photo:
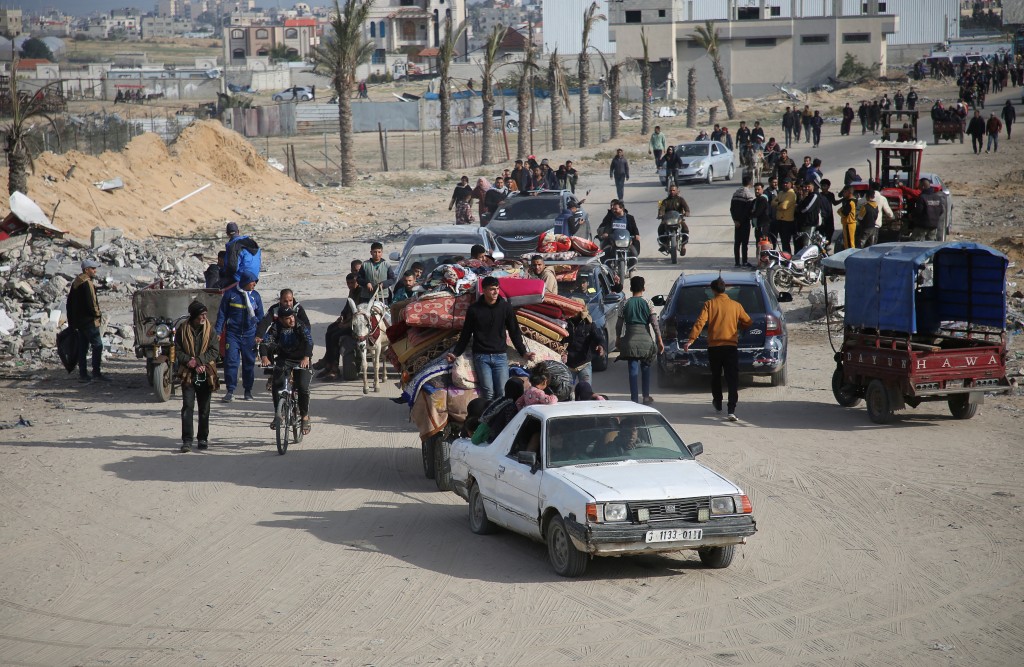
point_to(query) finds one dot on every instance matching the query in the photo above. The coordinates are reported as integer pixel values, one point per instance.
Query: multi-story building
(299, 36)
(10, 23)
(160, 26)
(411, 26)
(761, 42)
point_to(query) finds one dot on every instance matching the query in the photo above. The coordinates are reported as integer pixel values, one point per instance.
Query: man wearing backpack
(243, 255)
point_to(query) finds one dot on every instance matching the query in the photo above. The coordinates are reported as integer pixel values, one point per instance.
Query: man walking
(724, 318)
(619, 171)
(488, 320)
(1009, 115)
(816, 122)
(84, 316)
(740, 208)
(240, 311)
(784, 208)
(657, 145)
(912, 99)
(787, 125)
(993, 127)
(928, 213)
(196, 350)
(976, 128)
(583, 342)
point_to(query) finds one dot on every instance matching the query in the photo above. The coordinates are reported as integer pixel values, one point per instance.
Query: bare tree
(343, 50)
(590, 19)
(446, 53)
(559, 98)
(691, 98)
(645, 85)
(487, 92)
(707, 37)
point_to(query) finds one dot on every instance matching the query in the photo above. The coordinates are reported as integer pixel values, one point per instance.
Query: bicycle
(287, 420)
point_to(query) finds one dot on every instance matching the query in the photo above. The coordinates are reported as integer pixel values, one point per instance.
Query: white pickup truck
(600, 478)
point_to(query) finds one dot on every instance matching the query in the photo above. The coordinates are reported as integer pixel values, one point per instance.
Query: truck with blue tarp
(924, 321)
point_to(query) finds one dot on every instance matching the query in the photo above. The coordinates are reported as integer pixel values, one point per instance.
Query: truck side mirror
(394, 256)
(528, 459)
(696, 448)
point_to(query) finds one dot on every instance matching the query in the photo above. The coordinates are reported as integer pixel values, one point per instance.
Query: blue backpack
(244, 255)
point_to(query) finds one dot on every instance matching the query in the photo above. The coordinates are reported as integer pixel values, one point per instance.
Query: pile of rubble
(36, 273)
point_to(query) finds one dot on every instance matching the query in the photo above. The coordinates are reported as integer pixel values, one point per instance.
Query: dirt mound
(155, 175)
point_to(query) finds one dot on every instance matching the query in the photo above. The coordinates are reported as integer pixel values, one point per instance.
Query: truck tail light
(773, 326)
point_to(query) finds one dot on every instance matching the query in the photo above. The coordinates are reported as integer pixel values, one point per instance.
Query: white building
(563, 26)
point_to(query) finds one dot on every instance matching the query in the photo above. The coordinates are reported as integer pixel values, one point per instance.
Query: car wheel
(442, 465)
(717, 558)
(960, 407)
(711, 175)
(566, 559)
(478, 521)
(277, 98)
(732, 172)
(779, 377)
(512, 125)
(879, 405)
(845, 393)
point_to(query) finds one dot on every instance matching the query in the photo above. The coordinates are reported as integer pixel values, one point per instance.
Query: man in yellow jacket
(784, 208)
(724, 318)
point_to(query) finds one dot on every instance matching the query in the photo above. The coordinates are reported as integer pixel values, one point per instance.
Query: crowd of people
(525, 176)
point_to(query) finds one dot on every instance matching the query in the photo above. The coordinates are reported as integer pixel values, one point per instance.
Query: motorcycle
(623, 261)
(801, 269)
(673, 242)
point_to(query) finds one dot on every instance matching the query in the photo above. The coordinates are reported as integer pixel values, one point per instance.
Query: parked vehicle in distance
(702, 161)
(762, 348)
(524, 216)
(300, 93)
(595, 285)
(509, 117)
(600, 478)
(235, 88)
(435, 234)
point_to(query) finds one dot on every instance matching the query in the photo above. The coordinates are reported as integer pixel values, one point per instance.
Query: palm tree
(559, 97)
(524, 95)
(343, 50)
(707, 37)
(487, 91)
(446, 53)
(614, 84)
(590, 19)
(645, 85)
(691, 98)
(17, 129)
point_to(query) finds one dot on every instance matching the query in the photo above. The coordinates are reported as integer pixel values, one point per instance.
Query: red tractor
(897, 169)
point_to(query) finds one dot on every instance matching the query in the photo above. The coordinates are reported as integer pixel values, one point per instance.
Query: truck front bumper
(627, 538)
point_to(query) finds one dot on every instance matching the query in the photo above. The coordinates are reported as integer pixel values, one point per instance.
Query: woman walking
(637, 347)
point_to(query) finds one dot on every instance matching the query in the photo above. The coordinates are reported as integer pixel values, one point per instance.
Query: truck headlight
(615, 512)
(162, 332)
(723, 505)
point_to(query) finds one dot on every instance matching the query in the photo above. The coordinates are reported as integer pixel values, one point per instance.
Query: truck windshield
(605, 439)
(530, 208)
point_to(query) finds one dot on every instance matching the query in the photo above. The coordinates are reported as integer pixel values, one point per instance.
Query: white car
(300, 93)
(600, 478)
(701, 161)
(476, 122)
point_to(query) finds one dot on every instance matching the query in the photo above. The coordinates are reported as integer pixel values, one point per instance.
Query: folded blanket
(405, 350)
(544, 309)
(542, 325)
(522, 291)
(569, 306)
(440, 312)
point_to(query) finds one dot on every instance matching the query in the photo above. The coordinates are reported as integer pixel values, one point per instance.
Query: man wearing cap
(724, 318)
(196, 351)
(928, 213)
(84, 315)
(240, 311)
(578, 218)
(292, 346)
(487, 322)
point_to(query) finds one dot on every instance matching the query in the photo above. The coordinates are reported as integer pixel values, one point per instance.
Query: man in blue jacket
(240, 311)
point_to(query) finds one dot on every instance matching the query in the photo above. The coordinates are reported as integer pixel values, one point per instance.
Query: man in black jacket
(487, 322)
(292, 346)
(928, 213)
(285, 300)
(583, 342)
(976, 128)
(84, 316)
(808, 214)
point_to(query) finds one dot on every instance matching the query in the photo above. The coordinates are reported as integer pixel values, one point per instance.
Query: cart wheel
(162, 382)
(879, 405)
(960, 407)
(845, 393)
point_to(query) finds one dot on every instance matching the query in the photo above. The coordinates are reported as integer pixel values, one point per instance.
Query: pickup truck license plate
(674, 535)
(954, 384)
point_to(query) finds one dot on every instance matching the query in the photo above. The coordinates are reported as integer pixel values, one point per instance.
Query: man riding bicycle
(674, 202)
(292, 346)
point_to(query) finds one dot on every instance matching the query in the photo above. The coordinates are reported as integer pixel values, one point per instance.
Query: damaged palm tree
(23, 110)
(559, 98)
(645, 85)
(487, 92)
(590, 19)
(707, 37)
(445, 56)
(691, 98)
(343, 50)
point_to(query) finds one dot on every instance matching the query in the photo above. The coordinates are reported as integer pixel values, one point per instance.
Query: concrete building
(410, 27)
(563, 25)
(10, 23)
(299, 36)
(163, 26)
(759, 46)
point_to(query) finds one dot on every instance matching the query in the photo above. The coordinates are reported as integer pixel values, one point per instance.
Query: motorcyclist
(617, 214)
(292, 346)
(674, 202)
(671, 161)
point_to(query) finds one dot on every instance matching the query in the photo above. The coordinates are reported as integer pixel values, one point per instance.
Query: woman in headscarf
(479, 193)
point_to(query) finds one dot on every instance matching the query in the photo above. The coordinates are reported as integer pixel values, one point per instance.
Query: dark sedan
(762, 347)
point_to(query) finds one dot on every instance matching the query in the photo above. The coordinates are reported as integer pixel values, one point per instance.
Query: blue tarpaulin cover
(968, 285)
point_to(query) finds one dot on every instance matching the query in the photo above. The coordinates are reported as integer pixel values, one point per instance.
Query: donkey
(368, 326)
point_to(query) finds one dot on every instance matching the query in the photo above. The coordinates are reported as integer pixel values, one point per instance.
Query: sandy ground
(898, 545)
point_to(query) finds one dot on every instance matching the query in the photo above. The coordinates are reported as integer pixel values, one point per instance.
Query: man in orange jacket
(724, 318)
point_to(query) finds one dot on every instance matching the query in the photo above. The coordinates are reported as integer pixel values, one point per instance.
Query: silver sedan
(702, 161)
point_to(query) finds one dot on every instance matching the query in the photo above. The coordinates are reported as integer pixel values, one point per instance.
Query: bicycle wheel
(283, 414)
(296, 423)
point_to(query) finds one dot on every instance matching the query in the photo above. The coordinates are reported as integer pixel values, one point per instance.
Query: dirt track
(899, 545)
